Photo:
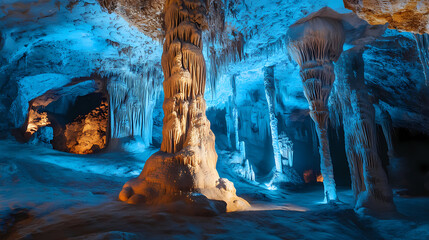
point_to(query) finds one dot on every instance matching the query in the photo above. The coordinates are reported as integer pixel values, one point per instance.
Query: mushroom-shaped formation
(186, 163)
(315, 42)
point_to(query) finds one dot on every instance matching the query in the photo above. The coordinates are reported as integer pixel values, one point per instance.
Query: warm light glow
(308, 176)
(319, 178)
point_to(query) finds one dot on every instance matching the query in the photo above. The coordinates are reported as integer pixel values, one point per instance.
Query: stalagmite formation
(282, 146)
(286, 149)
(405, 15)
(231, 116)
(423, 49)
(270, 96)
(241, 165)
(186, 163)
(315, 43)
(369, 181)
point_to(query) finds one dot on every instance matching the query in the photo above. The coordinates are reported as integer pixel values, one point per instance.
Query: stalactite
(423, 49)
(369, 181)
(231, 51)
(315, 44)
(187, 160)
(133, 96)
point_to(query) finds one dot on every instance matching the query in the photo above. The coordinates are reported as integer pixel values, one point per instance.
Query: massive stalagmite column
(369, 181)
(186, 163)
(270, 96)
(315, 43)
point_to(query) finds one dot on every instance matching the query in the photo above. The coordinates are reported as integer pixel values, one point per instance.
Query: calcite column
(231, 115)
(369, 181)
(186, 163)
(270, 96)
(315, 44)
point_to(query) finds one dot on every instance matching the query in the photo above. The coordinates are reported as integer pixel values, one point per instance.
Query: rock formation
(422, 41)
(369, 181)
(315, 43)
(404, 15)
(270, 96)
(186, 163)
(132, 101)
(281, 145)
(78, 127)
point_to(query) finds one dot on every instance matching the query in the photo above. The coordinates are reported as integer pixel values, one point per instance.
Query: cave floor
(46, 194)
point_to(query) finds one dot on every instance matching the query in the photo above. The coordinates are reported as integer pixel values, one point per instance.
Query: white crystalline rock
(132, 100)
(286, 149)
(270, 96)
(241, 165)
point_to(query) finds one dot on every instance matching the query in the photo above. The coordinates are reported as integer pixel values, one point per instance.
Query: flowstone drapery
(315, 43)
(186, 163)
(369, 181)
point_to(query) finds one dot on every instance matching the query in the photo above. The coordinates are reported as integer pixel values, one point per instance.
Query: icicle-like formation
(314, 44)
(132, 98)
(387, 126)
(270, 96)
(369, 181)
(231, 115)
(229, 123)
(230, 52)
(286, 149)
(423, 49)
(241, 165)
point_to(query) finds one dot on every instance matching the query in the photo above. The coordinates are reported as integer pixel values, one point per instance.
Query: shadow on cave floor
(45, 194)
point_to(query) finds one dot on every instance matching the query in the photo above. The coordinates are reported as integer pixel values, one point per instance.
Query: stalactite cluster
(132, 99)
(315, 44)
